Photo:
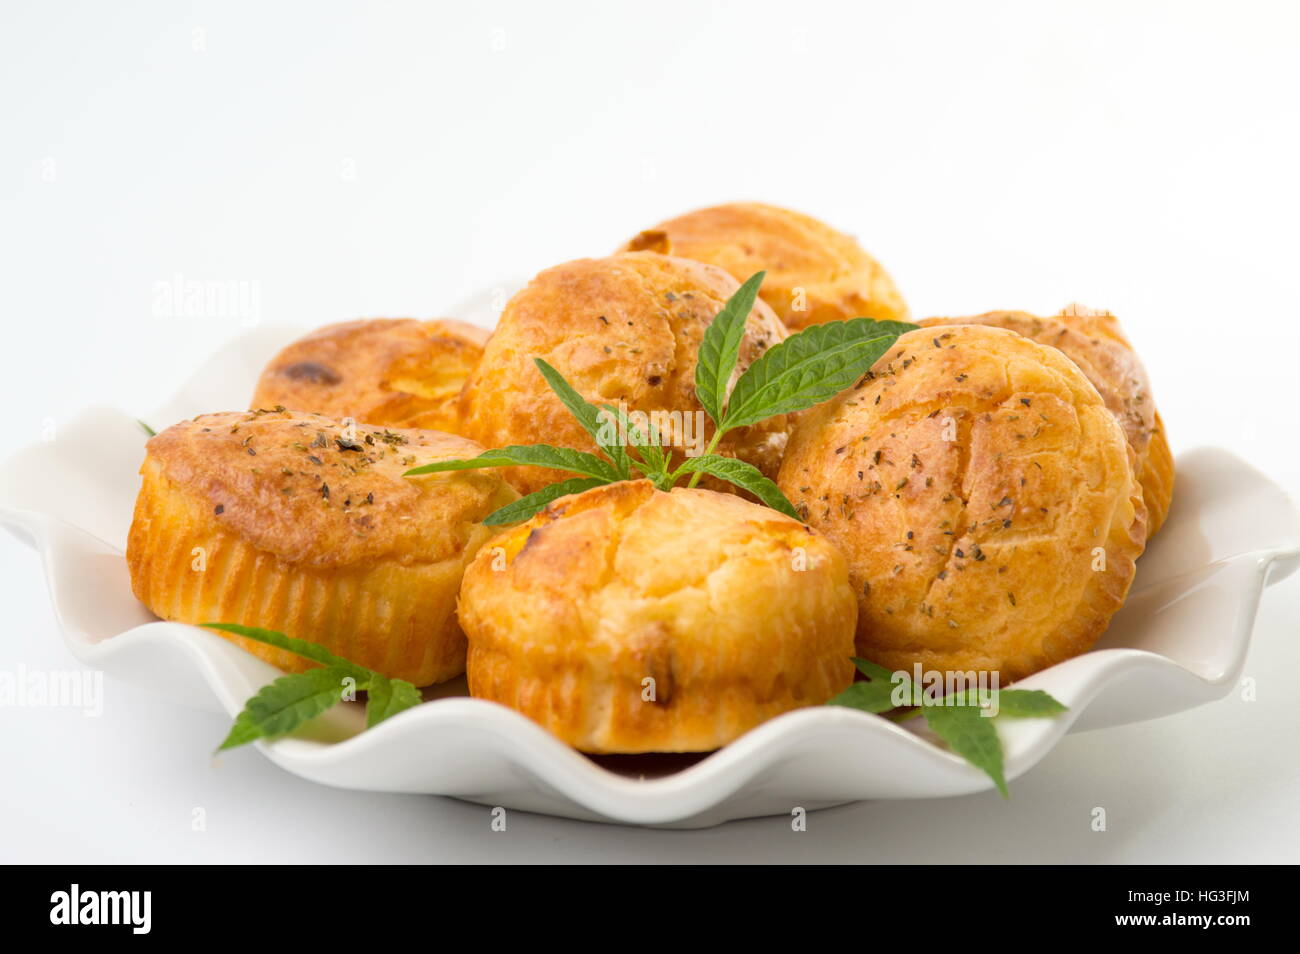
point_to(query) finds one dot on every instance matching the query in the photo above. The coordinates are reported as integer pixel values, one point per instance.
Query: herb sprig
(807, 368)
(284, 705)
(960, 719)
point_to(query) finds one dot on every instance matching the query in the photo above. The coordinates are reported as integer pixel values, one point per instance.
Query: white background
(351, 160)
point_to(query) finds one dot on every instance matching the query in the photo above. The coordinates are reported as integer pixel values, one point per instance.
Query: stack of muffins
(976, 502)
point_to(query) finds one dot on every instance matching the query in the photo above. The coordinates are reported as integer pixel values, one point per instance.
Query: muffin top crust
(815, 273)
(971, 477)
(310, 490)
(1098, 347)
(622, 329)
(394, 371)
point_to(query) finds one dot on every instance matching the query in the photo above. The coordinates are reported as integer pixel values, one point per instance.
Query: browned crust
(1157, 477)
(620, 329)
(736, 612)
(814, 273)
(308, 490)
(398, 372)
(232, 525)
(984, 496)
(1096, 343)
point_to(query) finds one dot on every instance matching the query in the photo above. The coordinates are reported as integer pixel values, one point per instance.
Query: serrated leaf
(810, 367)
(299, 647)
(909, 691)
(720, 347)
(1027, 704)
(387, 697)
(242, 732)
(525, 507)
(528, 455)
(970, 734)
(743, 475)
(282, 706)
(586, 413)
(881, 692)
(647, 445)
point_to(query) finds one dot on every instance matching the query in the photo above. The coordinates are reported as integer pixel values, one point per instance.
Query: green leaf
(528, 455)
(287, 703)
(875, 671)
(878, 693)
(587, 414)
(243, 731)
(525, 507)
(810, 367)
(743, 475)
(961, 724)
(720, 348)
(299, 647)
(146, 428)
(291, 700)
(874, 696)
(648, 448)
(1027, 704)
(387, 697)
(970, 734)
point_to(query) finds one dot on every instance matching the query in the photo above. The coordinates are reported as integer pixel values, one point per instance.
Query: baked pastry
(622, 330)
(629, 619)
(984, 497)
(814, 273)
(397, 372)
(1094, 341)
(289, 521)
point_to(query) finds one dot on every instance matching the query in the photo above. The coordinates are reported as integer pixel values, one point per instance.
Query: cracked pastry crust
(1095, 342)
(620, 329)
(837, 278)
(985, 499)
(290, 521)
(736, 612)
(397, 372)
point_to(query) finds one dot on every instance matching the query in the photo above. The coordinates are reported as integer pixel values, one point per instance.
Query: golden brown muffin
(985, 499)
(628, 619)
(619, 329)
(291, 522)
(1094, 341)
(1157, 478)
(397, 372)
(814, 273)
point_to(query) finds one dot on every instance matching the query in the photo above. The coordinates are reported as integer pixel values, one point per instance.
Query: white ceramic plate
(1179, 642)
